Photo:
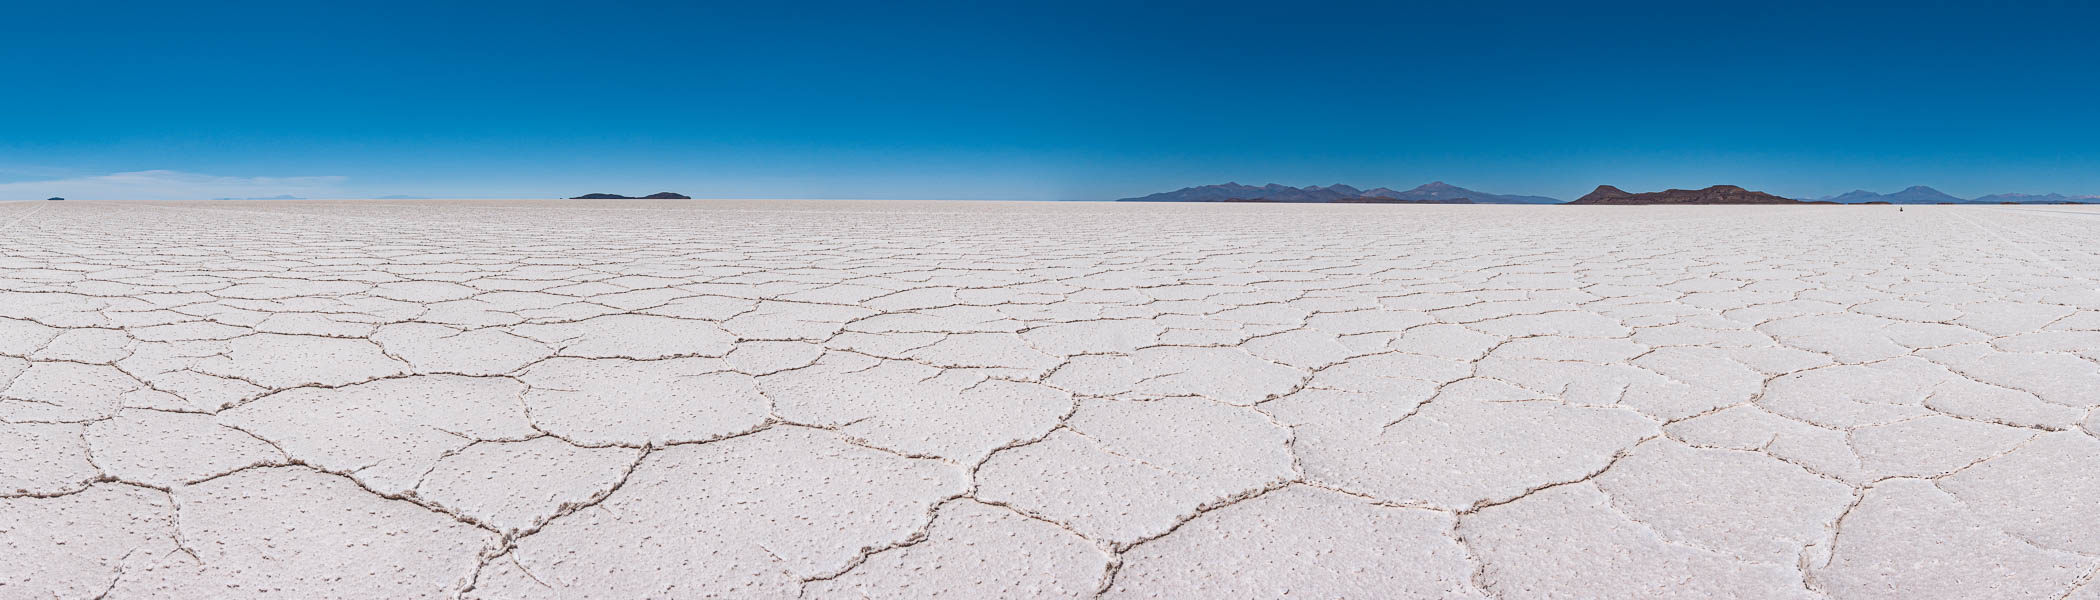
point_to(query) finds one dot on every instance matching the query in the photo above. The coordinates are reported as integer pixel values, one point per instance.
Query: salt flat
(630, 399)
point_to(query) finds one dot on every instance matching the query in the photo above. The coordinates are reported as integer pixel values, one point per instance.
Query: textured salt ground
(637, 399)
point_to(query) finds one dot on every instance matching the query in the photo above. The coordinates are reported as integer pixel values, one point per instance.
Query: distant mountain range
(2035, 199)
(1720, 194)
(1916, 194)
(1432, 193)
(1919, 194)
(1344, 199)
(1444, 193)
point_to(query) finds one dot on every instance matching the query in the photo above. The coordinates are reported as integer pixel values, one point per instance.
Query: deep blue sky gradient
(1063, 100)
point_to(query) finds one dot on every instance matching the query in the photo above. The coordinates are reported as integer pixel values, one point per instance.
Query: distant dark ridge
(1919, 194)
(1440, 192)
(2037, 199)
(1386, 200)
(1361, 200)
(1431, 193)
(655, 196)
(1720, 194)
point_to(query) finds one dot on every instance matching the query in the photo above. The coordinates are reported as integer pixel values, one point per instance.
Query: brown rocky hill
(1720, 194)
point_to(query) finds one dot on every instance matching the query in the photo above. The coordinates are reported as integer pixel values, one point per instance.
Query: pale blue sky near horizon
(1059, 101)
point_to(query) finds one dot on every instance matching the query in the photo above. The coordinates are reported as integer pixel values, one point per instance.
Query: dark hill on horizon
(1720, 194)
(1431, 193)
(655, 196)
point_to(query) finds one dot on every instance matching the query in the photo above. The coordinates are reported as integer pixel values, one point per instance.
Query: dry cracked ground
(512, 399)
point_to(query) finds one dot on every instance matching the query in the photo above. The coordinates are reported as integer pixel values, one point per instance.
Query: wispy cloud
(172, 185)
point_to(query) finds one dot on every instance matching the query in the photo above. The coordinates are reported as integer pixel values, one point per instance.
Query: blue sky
(1064, 100)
